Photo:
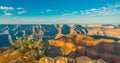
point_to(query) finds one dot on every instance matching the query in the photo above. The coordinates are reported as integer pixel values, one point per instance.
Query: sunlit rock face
(59, 34)
(86, 45)
(104, 30)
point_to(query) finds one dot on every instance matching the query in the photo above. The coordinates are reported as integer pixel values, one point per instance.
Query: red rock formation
(72, 30)
(41, 31)
(59, 32)
(113, 32)
(86, 45)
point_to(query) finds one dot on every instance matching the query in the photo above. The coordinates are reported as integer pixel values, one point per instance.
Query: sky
(59, 11)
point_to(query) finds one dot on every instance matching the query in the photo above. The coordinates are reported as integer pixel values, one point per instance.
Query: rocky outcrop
(111, 32)
(106, 49)
(59, 34)
(84, 59)
(46, 60)
(60, 59)
(66, 48)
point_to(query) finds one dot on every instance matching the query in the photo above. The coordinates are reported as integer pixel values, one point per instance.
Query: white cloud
(49, 10)
(7, 14)
(108, 10)
(20, 8)
(64, 14)
(103, 11)
(6, 8)
(22, 12)
(52, 11)
(70, 13)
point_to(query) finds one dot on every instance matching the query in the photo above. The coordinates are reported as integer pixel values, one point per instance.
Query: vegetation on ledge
(28, 50)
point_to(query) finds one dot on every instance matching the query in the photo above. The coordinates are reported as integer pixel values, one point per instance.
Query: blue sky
(59, 11)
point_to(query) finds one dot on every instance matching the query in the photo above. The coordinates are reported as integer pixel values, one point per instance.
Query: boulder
(84, 59)
(101, 61)
(61, 60)
(46, 60)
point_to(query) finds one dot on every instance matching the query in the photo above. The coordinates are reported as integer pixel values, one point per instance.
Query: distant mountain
(54, 31)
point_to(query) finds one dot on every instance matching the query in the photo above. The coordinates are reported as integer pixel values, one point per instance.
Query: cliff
(54, 31)
(79, 44)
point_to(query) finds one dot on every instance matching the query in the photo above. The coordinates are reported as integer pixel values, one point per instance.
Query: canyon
(97, 41)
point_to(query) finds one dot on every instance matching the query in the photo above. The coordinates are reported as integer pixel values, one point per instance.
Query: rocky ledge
(60, 59)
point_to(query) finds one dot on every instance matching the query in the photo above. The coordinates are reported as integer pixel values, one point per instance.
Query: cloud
(22, 12)
(71, 13)
(6, 8)
(49, 10)
(7, 14)
(107, 10)
(20, 8)
(64, 14)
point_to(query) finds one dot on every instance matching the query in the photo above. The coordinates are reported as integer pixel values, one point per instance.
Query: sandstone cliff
(106, 49)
